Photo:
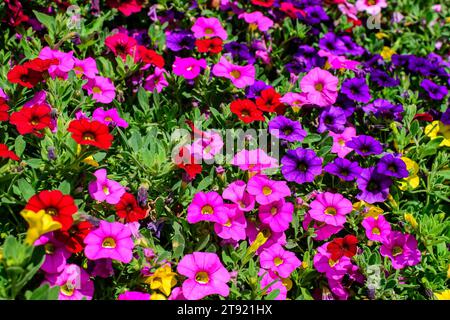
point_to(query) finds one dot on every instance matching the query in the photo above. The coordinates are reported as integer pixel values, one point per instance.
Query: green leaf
(45, 19)
(26, 189)
(44, 292)
(64, 187)
(273, 294)
(143, 99)
(19, 145)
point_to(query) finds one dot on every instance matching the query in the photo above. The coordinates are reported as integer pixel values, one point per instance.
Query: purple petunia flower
(239, 51)
(344, 169)
(392, 166)
(374, 186)
(316, 14)
(301, 165)
(382, 79)
(435, 92)
(331, 43)
(286, 129)
(332, 119)
(177, 41)
(356, 89)
(351, 47)
(384, 109)
(255, 89)
(365, 145)
(445, 118)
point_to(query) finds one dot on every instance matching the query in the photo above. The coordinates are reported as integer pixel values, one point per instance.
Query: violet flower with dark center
(384, 109)
(392, 166)
(356, 89)
(351, 47)
(382, 79)
(435, 91)
(365, 145)
(374, 187)
(344, 169)
(315, 15)
(286, 129)
(332, 119)
(331, 43)
(239, 51)
(179, 40)
(255, 89)
(301, 165)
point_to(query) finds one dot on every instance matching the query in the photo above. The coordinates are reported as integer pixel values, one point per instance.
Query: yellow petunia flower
(89, 160)
(163, 280)
(444, 295)
(39, 223)
(370, 209)
(387, 53)
(438, 129)
(412, 181)
(411, 220)
(381, 35)
(157, 296)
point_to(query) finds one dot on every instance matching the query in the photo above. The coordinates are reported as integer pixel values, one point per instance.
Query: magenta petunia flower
(133, 295)
(74, 283)
(208, 28)
(157, 80)
(206, 206)
(188, 68)
(322, 230)
(39, 97)
(104, 189)
(102, 89)
(177, 294)
(330, 208)
(376, 228)
(64, 65)
(85, 68)
(108, 117)
(332, 269)
(295, 100)
(278, 260)
(266, 190)
(236, 192)
(340, 139)
(320, 87)
(277, 215)
(233, 226)
(240, 76)
(257, 20)
(401, 249)
(205, 275)
(339, 62)
(110, 240)
(207, 146)
(56, 254)
(254, 160)
(372, 7)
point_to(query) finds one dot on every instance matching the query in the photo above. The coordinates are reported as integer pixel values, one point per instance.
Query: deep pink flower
(206, 207)
(108, 117)
(372, 7)
(102, 89)
(266, 190)
(254, 160)
(340, 139)
(320, 87)
(207, 145)
(332, 269)
(74, 283)
(257, 20)
(156, 80)
(110, 240)
(277, 215)
(188, 68)
(233, 226)
(376, 228)
(401, 249)
(121, 45)
(85, 68)
(330, 208)
(322, 230)
(339, 62)
(104, 189)
(209, 28)
(206, 275)
(240, 76)
(56, 254)
(236, 192)
(64, 65)
(278, 260)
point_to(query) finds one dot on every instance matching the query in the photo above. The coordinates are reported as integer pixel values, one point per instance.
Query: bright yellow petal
(444, 295)
(157, 296)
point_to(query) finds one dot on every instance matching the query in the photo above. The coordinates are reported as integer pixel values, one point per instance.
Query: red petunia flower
(186, 161)
(14, 13)
(92, 133)
(61, 207)
(6, 153)
(423, 117)
(289, 9)
(340, 247)
(4, 108)
(263, 3)
(246, 110)
(212, 46)
(121, 45)
(127, 7)
(25, 77)
(32, 119)
(128, 208)
(40, 65)
(74, 237)
(269, 100)
(150, 57)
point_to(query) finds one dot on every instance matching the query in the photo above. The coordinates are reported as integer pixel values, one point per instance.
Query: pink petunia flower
(295, 100)
(102, 89)
(257, 20)
(332, 269)
(401, 249)
(56, 254)
(156, 80)
(205, 275)
(108, 117)
(270, 282)
(339, 140)
(133, 295)
(74, 283)
(188, 68)
(236, 192)
(208, 28)
(372, 7)
(85, 68)
(277, 215)
(320, 87)
(266, 190)
(104, 189)
(330, 208)
(3, 95)
(339, 62)
(39, 97)
(240, 76)
(322, 230)
(64, 65)
(233, 226)
(278, 260)
(206, 207)
(207, 146)
(376, 228)
(177, 294)
(255, 160)
(110, 240)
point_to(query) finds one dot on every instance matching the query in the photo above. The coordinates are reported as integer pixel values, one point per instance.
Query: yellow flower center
(235, 74)
(108, 119)
(207, 209)
(202, 277)
(277, 261)
(376, 231)
(228, 224)
(332, 262)
(397, 251)
(267, 190)
(109, 243)
(106, 190)
(319, 86)
(273, 210)
(96, 90)
(67, 289)
(341, 141)
(330, 211)
(51, 211)
(88, 136)
(49, 248)
(209, 31)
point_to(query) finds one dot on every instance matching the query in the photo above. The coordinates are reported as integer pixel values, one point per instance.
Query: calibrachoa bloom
(109, 117)
(344, 169)
(232, 224)
(255, 160)
(236, 192)
(392, 166)
(376, 228)
(322, 230)
(438, 129)
(401, 249)
(92, 133)
(374, 187)
(208, 28)
(32, 120)
(266, 190)
(56, 254)
(330, 208)
(5, 153)
(278, 260)
(246, 110)
(102, 89)
(320, 87)
(277, 215)
(257, 20)
(157, 80)
(85, 68)
(333, 269)
(365, 145)
(128, 208)
(206, 207)
(110, 240)
(286, 129)
(188, 68)
(104, 189)
(205, 275)
(301, 165)
(240, 76)
(121, 45)
(340, 140)
(372, 7)
(74, 283)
